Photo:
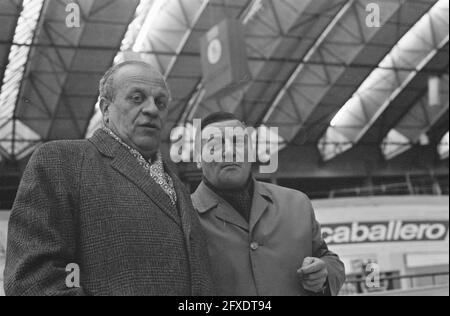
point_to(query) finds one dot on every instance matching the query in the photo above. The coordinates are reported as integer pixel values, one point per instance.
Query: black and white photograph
(224, 155)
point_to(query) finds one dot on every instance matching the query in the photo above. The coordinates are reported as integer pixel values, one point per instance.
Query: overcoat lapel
(124, 163)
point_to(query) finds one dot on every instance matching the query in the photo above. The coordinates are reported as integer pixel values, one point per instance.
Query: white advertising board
(387, 230)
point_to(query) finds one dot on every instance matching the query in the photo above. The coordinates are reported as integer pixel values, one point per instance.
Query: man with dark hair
(263, 239)
(109, 205)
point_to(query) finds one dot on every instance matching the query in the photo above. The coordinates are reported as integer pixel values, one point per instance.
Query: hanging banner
(224, 59)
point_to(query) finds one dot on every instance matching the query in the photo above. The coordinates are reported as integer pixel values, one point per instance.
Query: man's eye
(161, 103)
(137, 98)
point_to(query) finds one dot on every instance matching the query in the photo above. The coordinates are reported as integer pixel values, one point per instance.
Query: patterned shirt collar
(134, 152)
(153, 168)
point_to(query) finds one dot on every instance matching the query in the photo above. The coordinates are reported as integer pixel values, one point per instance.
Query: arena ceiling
(318, 72)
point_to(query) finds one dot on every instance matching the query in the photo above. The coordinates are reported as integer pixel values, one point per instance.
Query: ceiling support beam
(307, 58)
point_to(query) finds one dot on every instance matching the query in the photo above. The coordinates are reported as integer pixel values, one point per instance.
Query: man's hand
(313, 274)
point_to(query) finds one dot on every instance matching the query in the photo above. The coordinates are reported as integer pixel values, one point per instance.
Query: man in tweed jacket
(104, 205)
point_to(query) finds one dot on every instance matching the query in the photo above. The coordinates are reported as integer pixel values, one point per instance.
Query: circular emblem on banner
(214, 51)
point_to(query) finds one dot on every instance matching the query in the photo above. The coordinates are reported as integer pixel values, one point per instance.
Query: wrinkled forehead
(224, 129)
(138, 76)
(222, 126)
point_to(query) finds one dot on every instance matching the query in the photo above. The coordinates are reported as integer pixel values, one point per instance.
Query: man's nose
(228, 151)
(150, 107)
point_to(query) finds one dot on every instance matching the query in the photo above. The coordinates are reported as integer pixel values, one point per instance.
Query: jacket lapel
(184, 203)
(124, 163)
(210, 201)
(227, 213)
(261, 198)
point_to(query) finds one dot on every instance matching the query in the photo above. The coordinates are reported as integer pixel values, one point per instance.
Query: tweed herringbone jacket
(90, 203)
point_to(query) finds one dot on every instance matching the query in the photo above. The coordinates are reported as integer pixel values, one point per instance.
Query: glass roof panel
(414, 50)
(9, 93)
(395, 144)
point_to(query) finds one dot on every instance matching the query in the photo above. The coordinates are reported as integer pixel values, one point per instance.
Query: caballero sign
(382, 232)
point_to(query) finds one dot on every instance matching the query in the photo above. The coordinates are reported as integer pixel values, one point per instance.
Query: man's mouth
(230, 165)
(151, 126)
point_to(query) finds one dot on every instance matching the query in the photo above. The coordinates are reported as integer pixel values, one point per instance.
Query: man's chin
(148, 144)
(232, 180)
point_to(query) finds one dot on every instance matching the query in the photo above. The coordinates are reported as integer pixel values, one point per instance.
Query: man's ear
(104, 108)
(104, 105)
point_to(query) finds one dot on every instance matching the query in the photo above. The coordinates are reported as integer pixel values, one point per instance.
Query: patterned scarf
(154, 169)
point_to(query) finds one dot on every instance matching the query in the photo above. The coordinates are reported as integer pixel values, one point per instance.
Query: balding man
(109, 206)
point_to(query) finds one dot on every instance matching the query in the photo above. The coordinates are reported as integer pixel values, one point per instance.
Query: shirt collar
(207, 199)
(248, 187)
(134, 152)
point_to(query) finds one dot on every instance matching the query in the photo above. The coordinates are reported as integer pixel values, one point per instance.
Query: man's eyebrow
(156, 93)
(135, 89)
(162, 93)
